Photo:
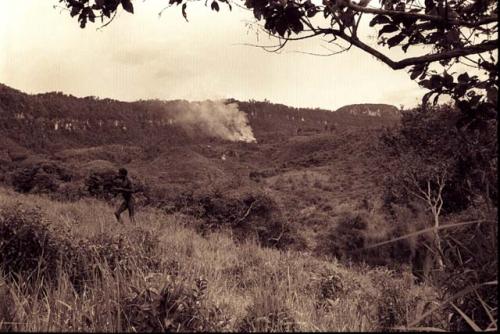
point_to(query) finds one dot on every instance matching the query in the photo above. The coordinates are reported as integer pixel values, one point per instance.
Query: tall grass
(162, 275)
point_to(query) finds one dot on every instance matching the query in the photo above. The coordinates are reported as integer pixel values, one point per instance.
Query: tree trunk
(437, 243)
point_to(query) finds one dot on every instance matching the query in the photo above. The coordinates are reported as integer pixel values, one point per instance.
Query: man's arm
(127, 190)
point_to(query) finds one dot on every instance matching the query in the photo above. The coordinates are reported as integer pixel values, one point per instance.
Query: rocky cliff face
(385, 111)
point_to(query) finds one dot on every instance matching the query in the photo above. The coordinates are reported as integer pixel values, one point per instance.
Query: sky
(145, 56)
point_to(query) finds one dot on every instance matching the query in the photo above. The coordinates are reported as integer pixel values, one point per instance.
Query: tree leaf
(311, 12)
(460, 89)
(395, 40)
(388, 28)
(74, 11)
(436, 82)
(448, 80)
(91, 15)
(416, 71)
(426, 97)
(297, 27)
(492, 94)
(215, 6)
(184, 5)
(425, 84)
(281, 27)
(347, 18)
(463, 78)
(380, 19)
(127, 5)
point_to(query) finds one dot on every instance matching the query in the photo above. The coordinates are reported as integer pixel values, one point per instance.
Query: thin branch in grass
(486, 308)
(236, 222)
(429, 229)
(469, 321)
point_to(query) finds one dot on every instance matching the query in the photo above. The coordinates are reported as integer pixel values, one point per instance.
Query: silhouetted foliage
(431, 136)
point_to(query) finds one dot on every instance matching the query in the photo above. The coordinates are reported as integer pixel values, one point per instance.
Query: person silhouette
(124, 187)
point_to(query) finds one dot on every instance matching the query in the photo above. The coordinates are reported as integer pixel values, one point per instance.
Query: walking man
(124, 187)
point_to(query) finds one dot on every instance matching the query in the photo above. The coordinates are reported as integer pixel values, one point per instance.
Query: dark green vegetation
(317, 186)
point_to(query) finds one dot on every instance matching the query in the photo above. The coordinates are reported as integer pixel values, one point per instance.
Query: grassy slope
(244, 280)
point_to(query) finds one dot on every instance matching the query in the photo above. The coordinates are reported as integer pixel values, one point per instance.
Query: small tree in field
(425, 178)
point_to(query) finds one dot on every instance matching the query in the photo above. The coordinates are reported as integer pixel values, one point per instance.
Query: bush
(100, 184)
(250, 214)
(331, 287)
(399, 302)
(40, 176)
(176, 307)
(345, 240)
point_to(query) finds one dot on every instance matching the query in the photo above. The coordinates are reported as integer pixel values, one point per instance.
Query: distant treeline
(52, 121)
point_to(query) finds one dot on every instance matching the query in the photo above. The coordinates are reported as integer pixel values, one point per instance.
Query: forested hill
(52, 121)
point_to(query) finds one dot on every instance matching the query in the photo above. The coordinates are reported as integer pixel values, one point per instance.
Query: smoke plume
(216, 118)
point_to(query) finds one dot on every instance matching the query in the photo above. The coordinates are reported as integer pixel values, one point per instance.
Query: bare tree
(426, 181)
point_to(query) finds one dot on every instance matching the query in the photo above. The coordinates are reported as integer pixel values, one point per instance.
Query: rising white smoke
(216, 118)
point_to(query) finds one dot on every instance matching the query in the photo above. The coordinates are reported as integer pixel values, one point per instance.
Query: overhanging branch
(425, 17)
(397, 65)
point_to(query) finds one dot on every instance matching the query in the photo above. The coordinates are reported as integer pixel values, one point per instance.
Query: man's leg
(131, 210)
(118, 212)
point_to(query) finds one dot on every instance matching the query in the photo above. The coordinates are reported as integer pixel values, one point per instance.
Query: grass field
(162, 275)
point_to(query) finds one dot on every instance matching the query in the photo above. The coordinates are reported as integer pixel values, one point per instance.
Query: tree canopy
(454, 35)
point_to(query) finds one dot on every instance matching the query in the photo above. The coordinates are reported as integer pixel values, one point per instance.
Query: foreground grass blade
(469, 321)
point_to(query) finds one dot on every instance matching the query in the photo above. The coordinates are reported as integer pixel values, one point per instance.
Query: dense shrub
(40, 176)
(100, 184)
(398, 305)
(331, 286)
(175, 307)
(346, 238)
(250, 214)
(27, 245)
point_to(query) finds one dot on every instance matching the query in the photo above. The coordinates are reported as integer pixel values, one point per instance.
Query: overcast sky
(144, 56)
